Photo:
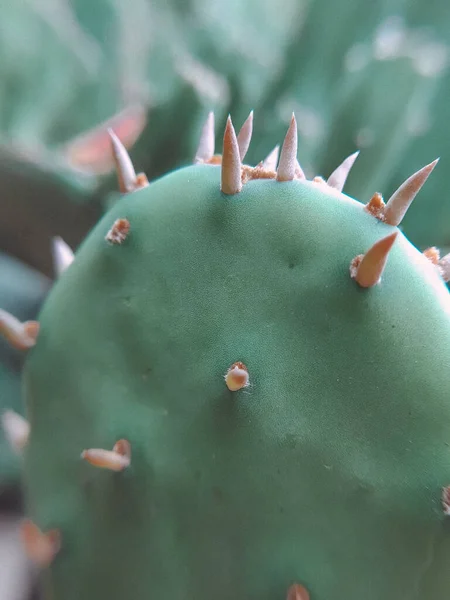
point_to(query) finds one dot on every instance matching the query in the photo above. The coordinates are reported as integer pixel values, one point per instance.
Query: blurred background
(361, 75)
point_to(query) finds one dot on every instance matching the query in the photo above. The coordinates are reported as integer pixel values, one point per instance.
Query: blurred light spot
(389, 38)
(393, 40)
(417, 122)
(357, 57)
(204, 80)
(430, 59)
(365, 137)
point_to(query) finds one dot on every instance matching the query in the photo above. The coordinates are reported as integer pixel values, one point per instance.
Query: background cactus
(277, 413)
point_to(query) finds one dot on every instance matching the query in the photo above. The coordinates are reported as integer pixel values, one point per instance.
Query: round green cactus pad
(240, 390)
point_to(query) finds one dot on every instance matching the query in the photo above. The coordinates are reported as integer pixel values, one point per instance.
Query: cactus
(239, 389)
(379, 86)
(42, 199)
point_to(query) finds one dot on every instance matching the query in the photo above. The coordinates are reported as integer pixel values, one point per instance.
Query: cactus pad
(287, 410)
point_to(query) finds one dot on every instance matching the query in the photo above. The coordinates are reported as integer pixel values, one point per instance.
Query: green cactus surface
(375, 78)
(326, 468)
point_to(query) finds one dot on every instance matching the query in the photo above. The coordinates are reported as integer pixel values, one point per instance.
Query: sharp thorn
(62, 255)
(17, 430)
(444, 265)
(20, 335)
(92, 149)
(367, 268)
(297, 592)
(117, 459)
(287, 165)
(126, 174)
(401, 199)
(40, 547)
(236, 377)
(271, 160)
(205, 150)
(245, 135)
(231, 162)
(339, 176)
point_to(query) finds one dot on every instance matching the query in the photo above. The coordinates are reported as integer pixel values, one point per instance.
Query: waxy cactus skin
(267, 363)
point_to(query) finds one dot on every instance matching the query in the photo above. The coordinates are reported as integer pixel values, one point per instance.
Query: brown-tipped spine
(231, 162)
(367, 269)
(401, 199)
(287, 165)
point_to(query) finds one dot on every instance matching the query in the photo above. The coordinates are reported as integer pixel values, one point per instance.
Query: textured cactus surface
(375, 79)
(325, 468)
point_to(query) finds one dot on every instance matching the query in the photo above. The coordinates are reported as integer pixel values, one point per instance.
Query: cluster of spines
(282, 166)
